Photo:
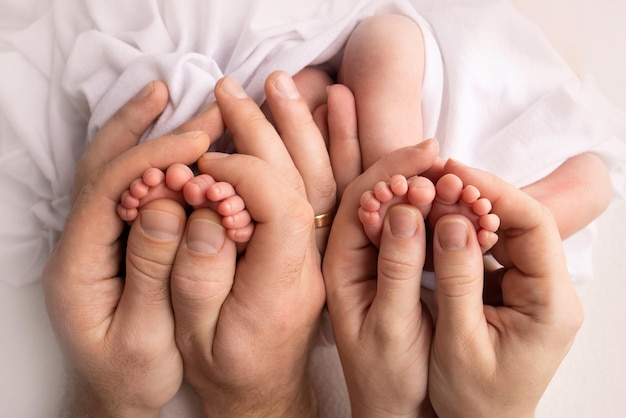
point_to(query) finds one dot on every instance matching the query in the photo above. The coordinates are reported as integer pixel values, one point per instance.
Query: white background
(591, 381)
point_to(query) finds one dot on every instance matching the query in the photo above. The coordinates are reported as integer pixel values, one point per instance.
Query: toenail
(205, 237)
(160, 225)
(403, 222)
(453, 234)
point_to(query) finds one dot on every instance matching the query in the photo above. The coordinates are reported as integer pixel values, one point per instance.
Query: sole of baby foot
(416, 191)
(453, 197)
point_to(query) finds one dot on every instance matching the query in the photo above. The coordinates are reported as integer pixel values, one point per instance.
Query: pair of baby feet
(448, 196)
(179, 183)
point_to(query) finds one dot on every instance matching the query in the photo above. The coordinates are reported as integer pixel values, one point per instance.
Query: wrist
(506, 414)
(258, 402)
(426, 412)
(83, 401)
(410, 406)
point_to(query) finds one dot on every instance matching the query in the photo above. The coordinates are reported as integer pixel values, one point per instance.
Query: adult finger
(202, 278)
(306, 147)
(344, 148)
(536, 281)
(151, 249)
(408, 161)
(350, 259)
(252, 133)
(302, 139)
(283, 218)
(209, 121)
(459, 273)
(123, 131)
(400, 265)
(93, 227)
(529, 239)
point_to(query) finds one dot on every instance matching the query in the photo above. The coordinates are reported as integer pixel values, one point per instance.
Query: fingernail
(453, 234)
(214, 156)
(231, 87)
(191, 134)
(205, 237)
(285, 86)
(403, 222)
(160, 225)
(145, 92)
(428, 142)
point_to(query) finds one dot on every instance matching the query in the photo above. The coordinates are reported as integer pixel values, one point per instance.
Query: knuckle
(456, 286)
(149, 275)
(397, 269)
(299, 212)
(252, 121)
(193, 288)
(325, 187)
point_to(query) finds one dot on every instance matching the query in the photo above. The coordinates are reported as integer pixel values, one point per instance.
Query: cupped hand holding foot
(116, 329)
(245, 325)
(491, 361)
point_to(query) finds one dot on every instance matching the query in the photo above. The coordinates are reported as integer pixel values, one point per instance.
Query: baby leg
(311, 83)
(383, 65)
(416, 191)
(155, 184)
(455, 197)
(204, 191)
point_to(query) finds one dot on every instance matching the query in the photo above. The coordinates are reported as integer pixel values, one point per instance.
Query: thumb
(152, 245)
(400, 263)
(459, 273)
(202, 278)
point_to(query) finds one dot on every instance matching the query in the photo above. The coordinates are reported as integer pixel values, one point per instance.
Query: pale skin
(90, 309)
(95, 398)
(384, 322)
(118, 350)
(179, 183)
(480, 360)
(377, 313)
(448, 196)
(518, 344)
(484, 361)
(183, 308)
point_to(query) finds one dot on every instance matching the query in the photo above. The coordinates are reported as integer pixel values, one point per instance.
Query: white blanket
(496, 94)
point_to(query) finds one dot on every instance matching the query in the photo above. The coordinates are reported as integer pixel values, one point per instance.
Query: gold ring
(324, 219)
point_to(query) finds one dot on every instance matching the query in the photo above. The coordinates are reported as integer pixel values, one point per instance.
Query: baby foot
(204, 191)
(452, 196)
(416, 191)
(155, 184)
(178, 183)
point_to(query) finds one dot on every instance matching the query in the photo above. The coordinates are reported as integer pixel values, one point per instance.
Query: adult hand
(245, 330)
(497, 361)
(382, 330)
(117, 331)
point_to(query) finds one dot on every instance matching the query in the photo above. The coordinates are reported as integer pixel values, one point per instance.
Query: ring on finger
(324, 220)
